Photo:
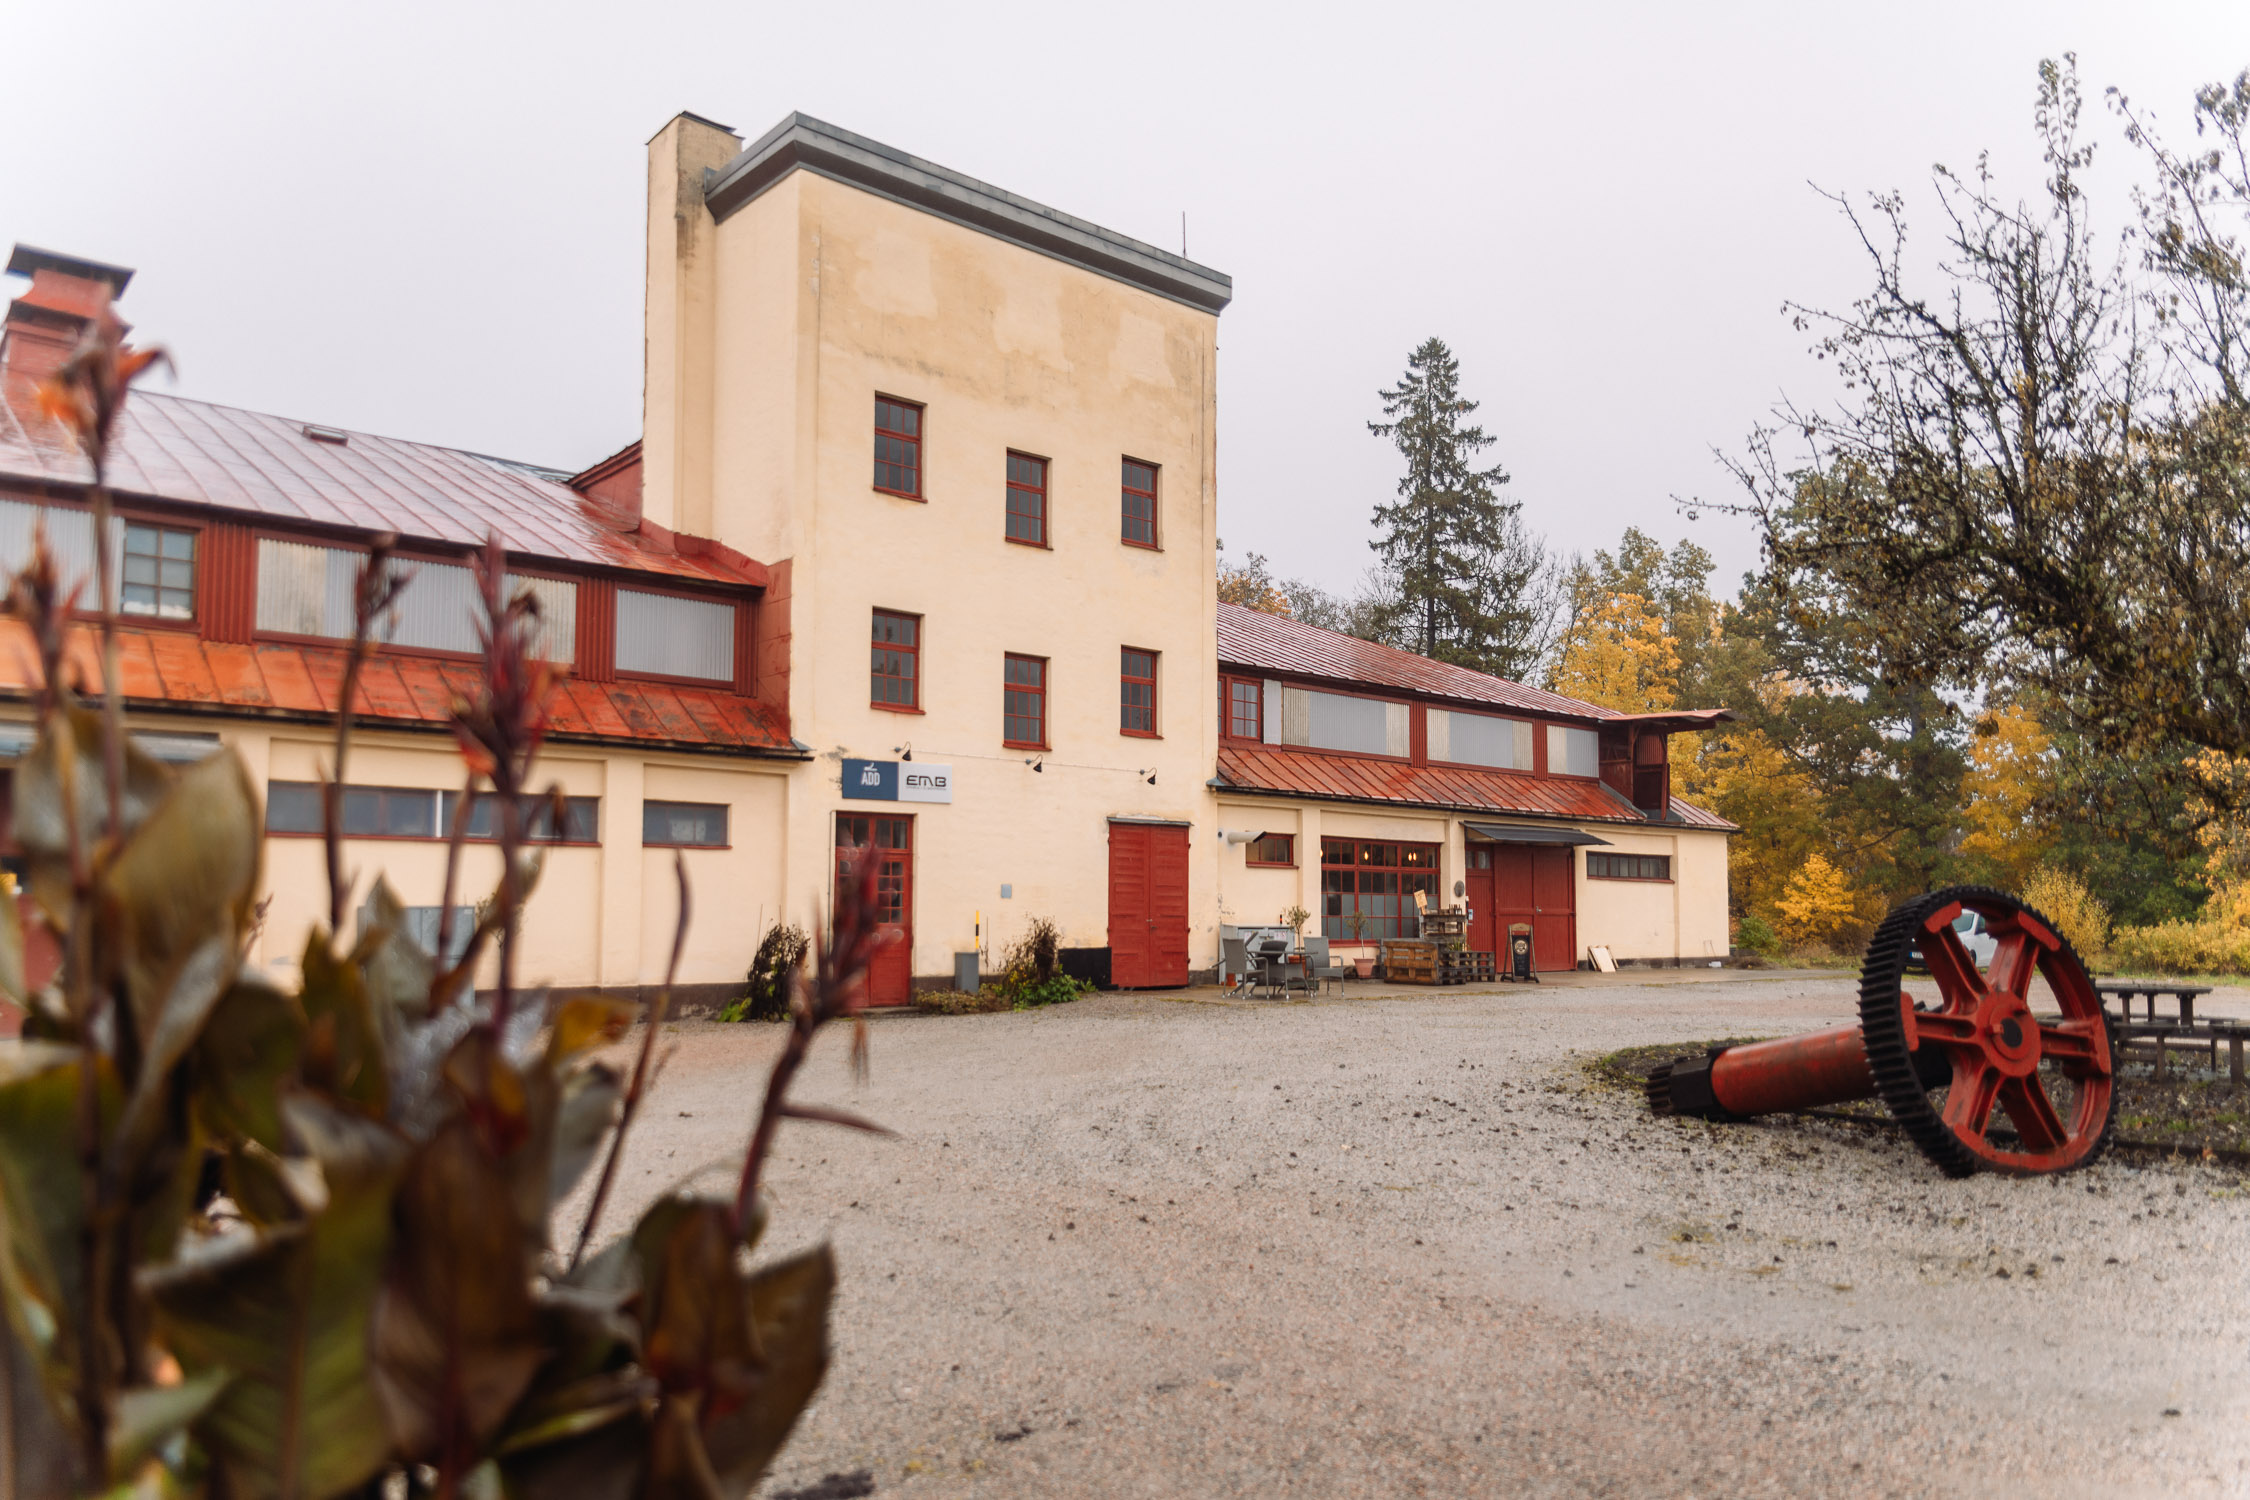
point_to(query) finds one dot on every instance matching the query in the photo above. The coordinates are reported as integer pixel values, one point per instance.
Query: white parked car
(1970, 929)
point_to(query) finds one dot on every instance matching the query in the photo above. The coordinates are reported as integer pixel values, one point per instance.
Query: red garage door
(1148, 906)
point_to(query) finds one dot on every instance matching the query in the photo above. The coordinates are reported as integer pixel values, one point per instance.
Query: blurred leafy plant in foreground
(373, 1302)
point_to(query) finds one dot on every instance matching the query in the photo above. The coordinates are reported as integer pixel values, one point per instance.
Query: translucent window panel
(693, 824)
(670, 636)
(1573, 752)
(1336, 721)
(70, 536)
(305, 589)
(1480, 740)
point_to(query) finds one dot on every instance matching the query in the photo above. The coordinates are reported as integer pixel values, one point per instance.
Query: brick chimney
(45, 323)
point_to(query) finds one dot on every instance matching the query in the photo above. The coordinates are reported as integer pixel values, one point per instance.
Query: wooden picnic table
(2125, 991)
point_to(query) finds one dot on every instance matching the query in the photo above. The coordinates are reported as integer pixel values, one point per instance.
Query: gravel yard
(1408, 1246)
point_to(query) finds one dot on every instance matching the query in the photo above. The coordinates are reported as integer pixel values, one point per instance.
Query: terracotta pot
(1365, 965)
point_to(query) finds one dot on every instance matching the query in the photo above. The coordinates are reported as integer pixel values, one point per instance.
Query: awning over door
(1507, 833)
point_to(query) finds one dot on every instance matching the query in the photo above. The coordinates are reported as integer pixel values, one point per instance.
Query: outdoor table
(2124, 991)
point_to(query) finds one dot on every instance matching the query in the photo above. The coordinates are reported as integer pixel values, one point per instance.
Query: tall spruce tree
(1470, 577)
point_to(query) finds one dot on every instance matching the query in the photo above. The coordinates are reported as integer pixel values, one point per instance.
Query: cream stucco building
(914, 554)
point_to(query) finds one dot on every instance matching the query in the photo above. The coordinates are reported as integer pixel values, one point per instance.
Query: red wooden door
(1148, 906)
(1554, 899)
(1536, 885)
(890, 977)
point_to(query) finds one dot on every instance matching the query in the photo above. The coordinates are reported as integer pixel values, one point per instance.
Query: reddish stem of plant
(838, 988)
(376, 588)
(455, 837)
(639, 1084)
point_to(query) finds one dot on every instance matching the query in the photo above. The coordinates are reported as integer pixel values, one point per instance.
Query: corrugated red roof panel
(169, 448)
(1358, 778)
(171, 669)
(1272, 643)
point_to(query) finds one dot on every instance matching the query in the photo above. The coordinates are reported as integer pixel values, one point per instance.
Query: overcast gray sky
(426, 219)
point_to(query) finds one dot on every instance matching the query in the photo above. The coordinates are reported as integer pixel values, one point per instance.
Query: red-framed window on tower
(1027, 500)
(898, 448)
(1138, 525)
(1024, 712)
(1245, 705)
(1137, 692)
(895, 675)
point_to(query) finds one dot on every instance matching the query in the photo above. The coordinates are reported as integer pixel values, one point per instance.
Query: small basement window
(385, 812)
(1629, 866)
(690, 825)
(582, 820)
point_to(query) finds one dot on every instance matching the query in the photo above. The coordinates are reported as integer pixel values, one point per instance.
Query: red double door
(1510, 883)
(890, 978)
(1148, 906)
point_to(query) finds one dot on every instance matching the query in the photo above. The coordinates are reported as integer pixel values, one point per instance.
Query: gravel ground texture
(1406, 1244)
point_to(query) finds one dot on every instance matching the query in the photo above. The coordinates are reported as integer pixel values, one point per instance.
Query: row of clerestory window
(398, 812)
(304, 590)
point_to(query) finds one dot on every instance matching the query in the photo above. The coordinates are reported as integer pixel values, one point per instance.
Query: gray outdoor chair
(1234, 959)
(1320, 969)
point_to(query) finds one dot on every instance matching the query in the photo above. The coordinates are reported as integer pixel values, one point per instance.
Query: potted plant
(1362, 961)
(1294, 918)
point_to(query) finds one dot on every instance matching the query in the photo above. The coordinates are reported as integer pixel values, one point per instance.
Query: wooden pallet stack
(1440, 956)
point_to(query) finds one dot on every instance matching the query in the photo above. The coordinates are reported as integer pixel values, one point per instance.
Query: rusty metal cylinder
(1798, 1072)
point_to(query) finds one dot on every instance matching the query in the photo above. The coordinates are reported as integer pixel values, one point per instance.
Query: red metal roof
(176, 671)
(169, 448)
(1358, 778)
(1272, 643)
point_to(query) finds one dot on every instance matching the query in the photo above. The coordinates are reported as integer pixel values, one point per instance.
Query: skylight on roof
(327, 434)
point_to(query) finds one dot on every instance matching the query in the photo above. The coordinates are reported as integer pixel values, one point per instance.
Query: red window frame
(1136, 692)
(1273, 850)
(902, 657)
(160, 560)
(1023, 702)
(1654, 868)
(1027, 499)
(1137, 505)
(898, 447)
(1235, 689)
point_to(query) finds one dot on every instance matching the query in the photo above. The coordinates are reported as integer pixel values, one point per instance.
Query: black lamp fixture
(905, 751)
(1035, 763)
(1147, 776)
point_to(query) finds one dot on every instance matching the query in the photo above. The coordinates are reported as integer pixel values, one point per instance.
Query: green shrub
(1756, 934)
(1028, 976)
(781, 953)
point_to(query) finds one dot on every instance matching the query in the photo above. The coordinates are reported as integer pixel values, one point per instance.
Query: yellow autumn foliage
(1618, 653)
(2011, 769)
(1818, 904)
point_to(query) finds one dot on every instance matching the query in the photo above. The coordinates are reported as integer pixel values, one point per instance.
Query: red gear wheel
(2052, 1076)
